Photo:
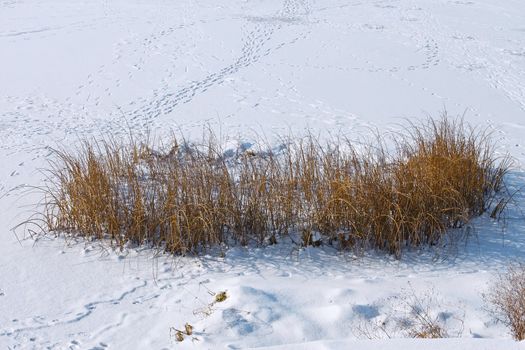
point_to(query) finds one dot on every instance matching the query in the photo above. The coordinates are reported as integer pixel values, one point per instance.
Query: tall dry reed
(438, 175)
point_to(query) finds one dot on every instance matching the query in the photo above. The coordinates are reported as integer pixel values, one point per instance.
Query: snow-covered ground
(74, 68)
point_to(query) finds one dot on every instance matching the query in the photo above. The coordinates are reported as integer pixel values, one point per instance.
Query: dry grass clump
(439, 175)
(448, 174)
(507, 300)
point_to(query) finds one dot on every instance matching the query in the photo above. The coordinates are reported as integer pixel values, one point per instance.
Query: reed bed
(435, 176)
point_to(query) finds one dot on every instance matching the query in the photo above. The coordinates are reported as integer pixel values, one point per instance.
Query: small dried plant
(412, 315)
(506, 300)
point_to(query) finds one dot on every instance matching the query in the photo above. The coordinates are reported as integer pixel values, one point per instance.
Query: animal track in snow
(40, 322)
(254, 47)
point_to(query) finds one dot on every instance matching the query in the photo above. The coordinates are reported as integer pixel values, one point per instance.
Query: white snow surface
(80, 68)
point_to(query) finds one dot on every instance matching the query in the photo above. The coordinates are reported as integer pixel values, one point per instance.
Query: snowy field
(75, 68)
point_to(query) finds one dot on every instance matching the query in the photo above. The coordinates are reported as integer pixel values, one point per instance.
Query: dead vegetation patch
(433, 176)
(506, 300)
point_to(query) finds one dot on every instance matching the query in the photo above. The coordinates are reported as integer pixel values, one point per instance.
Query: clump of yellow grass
(438, 175)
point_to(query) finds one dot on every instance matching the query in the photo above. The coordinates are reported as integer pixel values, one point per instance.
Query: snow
(408, 344)
(78, 68)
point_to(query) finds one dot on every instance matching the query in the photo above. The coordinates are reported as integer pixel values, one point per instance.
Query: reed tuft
(438, 175)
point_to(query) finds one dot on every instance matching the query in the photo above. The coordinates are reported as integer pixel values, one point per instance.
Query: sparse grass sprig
(506, 300)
